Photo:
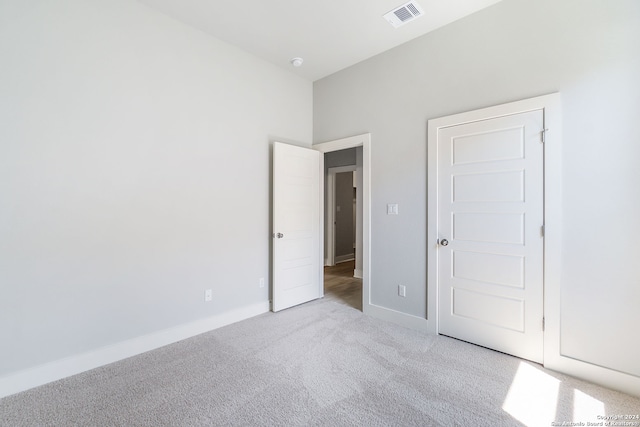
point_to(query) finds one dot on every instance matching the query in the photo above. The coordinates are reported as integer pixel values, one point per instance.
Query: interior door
(297, 227)
(490, 225)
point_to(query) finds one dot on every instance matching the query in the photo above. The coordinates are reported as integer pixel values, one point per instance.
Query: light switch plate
(392, 209)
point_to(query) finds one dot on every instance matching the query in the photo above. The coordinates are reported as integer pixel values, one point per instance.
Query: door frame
(331, 203)
(364, 141)
(552, 164)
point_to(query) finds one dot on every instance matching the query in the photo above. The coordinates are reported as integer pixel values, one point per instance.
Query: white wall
(334, 159)
(590, 53)
(119, 130)
(344, 215)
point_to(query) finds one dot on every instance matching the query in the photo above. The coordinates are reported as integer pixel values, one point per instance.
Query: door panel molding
(550, 104)
(475, 216)
(553, 217)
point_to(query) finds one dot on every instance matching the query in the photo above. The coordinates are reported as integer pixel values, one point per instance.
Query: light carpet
(321, 363)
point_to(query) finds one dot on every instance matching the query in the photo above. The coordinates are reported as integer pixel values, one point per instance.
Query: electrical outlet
(261, 282)
(402, 290)
(208, 295)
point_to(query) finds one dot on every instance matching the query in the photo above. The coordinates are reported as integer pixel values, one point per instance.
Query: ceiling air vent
(403, 14)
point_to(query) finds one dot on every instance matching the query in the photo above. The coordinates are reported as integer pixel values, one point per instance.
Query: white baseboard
(357, 274)
(610, 378)
(345, 258)
(53, 371)
(399, 318)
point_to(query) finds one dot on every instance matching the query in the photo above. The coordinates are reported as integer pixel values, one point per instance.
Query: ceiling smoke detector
(403, 14)
(296, 62)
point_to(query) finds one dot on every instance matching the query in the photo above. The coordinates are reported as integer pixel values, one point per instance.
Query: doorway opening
(298, 220)
(348, 282)
(343, 226)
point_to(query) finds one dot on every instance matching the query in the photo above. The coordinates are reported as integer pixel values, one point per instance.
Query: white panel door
(297, 266)
(490, 218)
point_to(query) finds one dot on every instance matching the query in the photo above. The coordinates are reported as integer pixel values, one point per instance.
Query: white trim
(344, 143)
(403, 319)
(363, 141)
(610, 378)
(52, 371)
(331, 208)
(357, 274)
(321, 230)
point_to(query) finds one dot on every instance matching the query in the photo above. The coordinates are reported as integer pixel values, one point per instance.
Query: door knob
(444, 242)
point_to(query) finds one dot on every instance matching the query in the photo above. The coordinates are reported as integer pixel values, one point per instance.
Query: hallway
(341, 286)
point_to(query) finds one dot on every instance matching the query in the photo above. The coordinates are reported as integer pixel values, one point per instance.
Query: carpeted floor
(321, 363)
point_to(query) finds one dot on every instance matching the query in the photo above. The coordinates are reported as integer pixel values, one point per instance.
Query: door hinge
(543, 324)
(543, 134)
(542, 230)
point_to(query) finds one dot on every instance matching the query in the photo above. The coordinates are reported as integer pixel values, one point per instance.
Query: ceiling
(328, 34)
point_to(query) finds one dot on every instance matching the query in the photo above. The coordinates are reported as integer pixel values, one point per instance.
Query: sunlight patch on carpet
(586, 407)
(532, 397)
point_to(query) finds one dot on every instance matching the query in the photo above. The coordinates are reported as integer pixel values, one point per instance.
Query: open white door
(490, 225)
(297, 225)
